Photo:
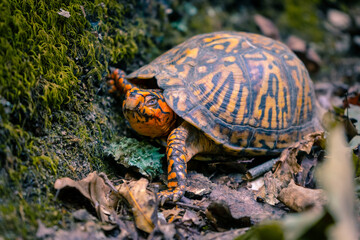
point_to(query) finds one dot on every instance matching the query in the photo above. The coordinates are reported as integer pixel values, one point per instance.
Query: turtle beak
(131, 103)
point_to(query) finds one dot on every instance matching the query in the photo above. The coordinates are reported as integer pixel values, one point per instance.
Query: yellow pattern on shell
(244, 91)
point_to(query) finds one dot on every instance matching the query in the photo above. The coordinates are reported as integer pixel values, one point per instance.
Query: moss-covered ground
(55, 114)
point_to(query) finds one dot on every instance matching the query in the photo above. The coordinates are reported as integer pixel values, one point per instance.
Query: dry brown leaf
(171, 214)
(300, 198)
(353, 99)
(93, 188)
(191, 217)
(287, 164)
(142, 202)
(197, 185)
(287, 167)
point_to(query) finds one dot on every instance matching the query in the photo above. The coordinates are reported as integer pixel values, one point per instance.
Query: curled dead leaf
(339, 219)
(95, 190)
(172, 214)
(191, 217)
(142, 201)
(300, 198)
(287, 164)
(287, 167)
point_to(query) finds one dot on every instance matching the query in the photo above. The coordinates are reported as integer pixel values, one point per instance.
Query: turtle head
(148, 113)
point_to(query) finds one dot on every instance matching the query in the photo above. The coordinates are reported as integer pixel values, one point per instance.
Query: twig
(108, 182)
(260, 170)
(186, 205)
(254, 172)
(154, 231)
(125, 231)
(155, 216)
(187, 228)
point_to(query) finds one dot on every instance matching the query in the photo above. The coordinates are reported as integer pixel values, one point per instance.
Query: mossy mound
(54, 117)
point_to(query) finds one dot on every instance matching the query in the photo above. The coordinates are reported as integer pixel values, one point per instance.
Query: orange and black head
(148, 113)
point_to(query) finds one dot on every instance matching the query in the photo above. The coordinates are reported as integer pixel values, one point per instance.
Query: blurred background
(325, 34)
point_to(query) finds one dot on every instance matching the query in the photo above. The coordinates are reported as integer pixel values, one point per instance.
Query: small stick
(187, 229)
(260, 170)
(186, 205)
(254, 172)
(108, 182)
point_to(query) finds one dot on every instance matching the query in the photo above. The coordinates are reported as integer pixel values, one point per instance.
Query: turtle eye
(150, 101)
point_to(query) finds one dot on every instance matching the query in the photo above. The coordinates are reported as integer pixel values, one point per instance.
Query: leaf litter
(209, 207)
(216, 207)
(338, 218)
(285, 170)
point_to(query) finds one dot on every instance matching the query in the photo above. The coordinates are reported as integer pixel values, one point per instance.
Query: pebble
(339, 19)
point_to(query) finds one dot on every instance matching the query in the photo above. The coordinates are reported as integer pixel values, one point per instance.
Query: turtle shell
(245, 91)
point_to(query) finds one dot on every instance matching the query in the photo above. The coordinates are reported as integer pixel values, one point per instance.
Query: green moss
(54, 120)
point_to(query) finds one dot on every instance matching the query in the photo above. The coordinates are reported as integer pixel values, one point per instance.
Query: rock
(356, 40)
(231, 234)
(357, 20)
(267, 27)
(355, 15)
(313, 62)
(307, 54)
(237, 208)
(296, 44)
(339, 19)
(197, 185)
(342, 45)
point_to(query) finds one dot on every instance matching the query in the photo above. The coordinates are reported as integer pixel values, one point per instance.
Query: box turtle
(229, 93)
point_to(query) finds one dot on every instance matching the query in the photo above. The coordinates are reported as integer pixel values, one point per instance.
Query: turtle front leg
(118, 83)
(177, 156)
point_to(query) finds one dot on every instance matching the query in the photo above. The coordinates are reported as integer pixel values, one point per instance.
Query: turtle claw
(114, 81)
(173, 195)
